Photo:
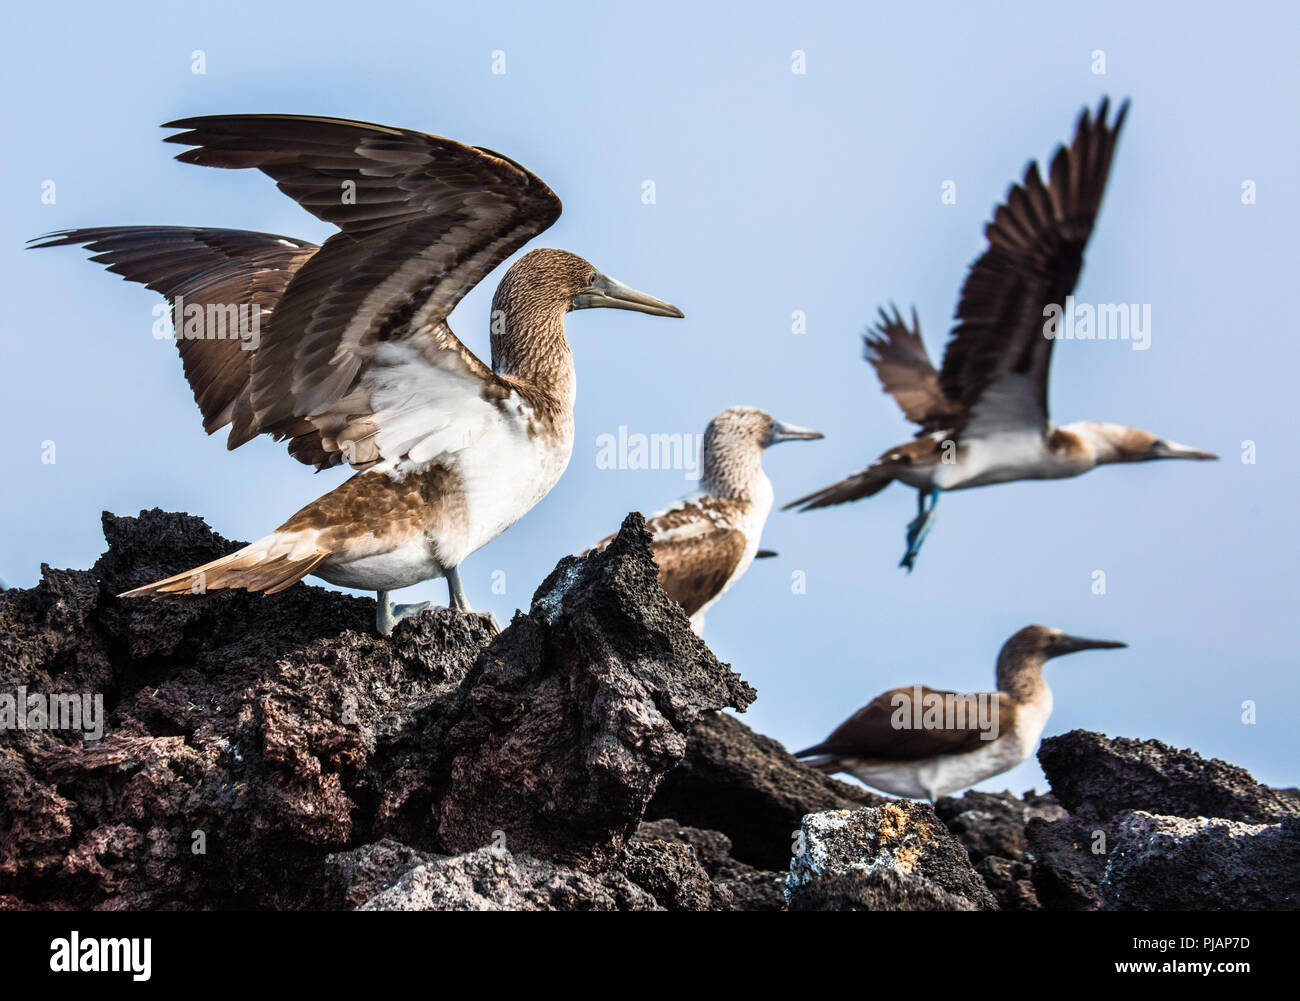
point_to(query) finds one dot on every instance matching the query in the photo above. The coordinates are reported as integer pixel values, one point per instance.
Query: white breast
(1001, 458)
(751, 525)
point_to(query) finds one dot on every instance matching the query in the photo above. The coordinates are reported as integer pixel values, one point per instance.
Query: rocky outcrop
(1111, 852)
(252, 751)
(251, 741)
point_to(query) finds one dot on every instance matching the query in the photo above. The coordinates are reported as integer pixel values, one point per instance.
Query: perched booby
(357, 363)
(705, 543)
(983, 415)
(922, 742)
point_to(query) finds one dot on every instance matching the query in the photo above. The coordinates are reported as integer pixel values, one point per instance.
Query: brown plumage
(357, 363)
(960, 739)
(705, 543)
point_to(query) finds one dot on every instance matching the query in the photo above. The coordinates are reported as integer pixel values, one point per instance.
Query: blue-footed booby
(357, 363)
(983, 415)
(925, 743)
(704, 543)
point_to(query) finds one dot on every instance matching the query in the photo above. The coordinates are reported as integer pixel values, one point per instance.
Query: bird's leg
(388, 615)
(458, 600)
(919, 527)
(383, 614)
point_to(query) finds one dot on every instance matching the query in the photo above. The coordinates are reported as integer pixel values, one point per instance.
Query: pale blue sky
(775, 192)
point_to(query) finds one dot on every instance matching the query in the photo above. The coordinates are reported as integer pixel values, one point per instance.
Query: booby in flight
(983, 415)
(925, 743)
(357, 363)
(705, 543)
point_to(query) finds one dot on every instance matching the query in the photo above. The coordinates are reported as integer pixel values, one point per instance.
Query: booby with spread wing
(922, 742)
(983, 415)
(705, 543)
(357, 363)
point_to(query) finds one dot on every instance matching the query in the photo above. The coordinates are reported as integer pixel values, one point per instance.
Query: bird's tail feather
(269, 565)
(863, 483)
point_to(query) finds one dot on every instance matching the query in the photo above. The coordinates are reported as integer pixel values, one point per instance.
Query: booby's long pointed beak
(1064, 644)
(1173, 450)
(604, 291)
(781, 431)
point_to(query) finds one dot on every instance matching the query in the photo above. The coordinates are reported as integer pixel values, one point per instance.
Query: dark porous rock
(253, 746)
(1096, 776)
(1202, 864)
(239, 736)
(744, 887)
(994, 823)
(1100, 781)
(1011, 882)
(493, 879)
(750, 788)
(840, 854)
(357, 875)
(1068, 858)
(671, 873)
(875, 890)
(568, 723)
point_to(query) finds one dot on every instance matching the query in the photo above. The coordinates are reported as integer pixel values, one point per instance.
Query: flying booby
(925, 743)
(705, 543)
(357, 363)
(983, 415)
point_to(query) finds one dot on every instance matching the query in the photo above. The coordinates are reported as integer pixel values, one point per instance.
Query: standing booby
(922, 742)
(357, 363)
(983, 415)
(705, 543)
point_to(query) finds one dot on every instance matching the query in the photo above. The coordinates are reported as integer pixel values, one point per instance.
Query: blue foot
(918, 528)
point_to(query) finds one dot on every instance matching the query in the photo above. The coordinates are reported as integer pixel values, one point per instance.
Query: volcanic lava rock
(1102, 781)
(897, 856)
(492, 879)
(1181, 864)
(750, 788)
(1095, 776)
(248, 737)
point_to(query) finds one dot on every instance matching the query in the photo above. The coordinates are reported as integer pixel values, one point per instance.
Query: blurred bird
(922, 742)
(705, 543)
(983, 415)
(357, 363)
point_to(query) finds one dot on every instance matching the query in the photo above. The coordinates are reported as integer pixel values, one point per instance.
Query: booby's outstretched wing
(870, 732)
(996, 364)
(697, 550)
(898, 355)
(203, 267)
(357, 362)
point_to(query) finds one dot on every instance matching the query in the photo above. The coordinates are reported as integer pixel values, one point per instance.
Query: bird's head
(734, 442)
(557, 281)
(1044, 643)
(1117, 443)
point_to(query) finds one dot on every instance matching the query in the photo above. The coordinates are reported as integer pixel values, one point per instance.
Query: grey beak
(781, 431)
(1073, 644)
(1173, 450)
(604, 291)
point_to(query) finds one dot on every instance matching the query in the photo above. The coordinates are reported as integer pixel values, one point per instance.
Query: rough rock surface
(1096, 776)
(248, 738)
(897, 856)
(751, 788)
(1179, 864)
(273, 752)
(492, 879)
(1100, 781)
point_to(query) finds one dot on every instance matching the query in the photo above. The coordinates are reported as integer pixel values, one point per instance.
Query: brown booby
(983, 415)
(357, 363)
(704, 543)
(926, 743)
